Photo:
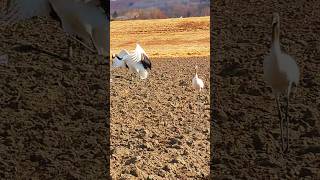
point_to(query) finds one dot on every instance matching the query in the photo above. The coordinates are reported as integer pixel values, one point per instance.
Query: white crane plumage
(197, 83)
(86, 19)
(280, 72)
(137, 62)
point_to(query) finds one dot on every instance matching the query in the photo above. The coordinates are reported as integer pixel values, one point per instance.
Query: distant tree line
(172, 11)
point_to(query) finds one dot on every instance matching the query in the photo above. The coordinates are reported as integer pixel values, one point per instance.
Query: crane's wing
(25, 9)
(140, 55)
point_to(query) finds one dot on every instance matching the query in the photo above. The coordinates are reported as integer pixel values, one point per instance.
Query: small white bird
(86, 19)
(137, 62)
(280, 72)
(197, 83)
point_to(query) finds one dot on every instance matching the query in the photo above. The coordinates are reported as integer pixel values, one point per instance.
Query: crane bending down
(280, 72)
(137, 62)
(86, 19)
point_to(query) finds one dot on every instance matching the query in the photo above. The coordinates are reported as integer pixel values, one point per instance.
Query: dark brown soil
(52, 111)
(158, 127)
(245, 130)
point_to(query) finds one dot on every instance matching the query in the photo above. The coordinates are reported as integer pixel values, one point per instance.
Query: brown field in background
(163, 38)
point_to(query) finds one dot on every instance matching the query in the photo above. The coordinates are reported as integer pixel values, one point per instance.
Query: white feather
(133, 61)
(117, 63)
(280, 69)
(137, 54)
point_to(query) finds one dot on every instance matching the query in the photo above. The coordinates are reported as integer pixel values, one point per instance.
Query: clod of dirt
(178, 159)
(258, 141)
(310, 149)
(162, 173)
(267, 162)
(168, 167)
(221, 115)
(304, 172)
(312, 134)
(132, 160)
(153, 177)
(189, 142)
(137, 172)
(126, 176)
(174, 141)
(147, 146)
(143, 133)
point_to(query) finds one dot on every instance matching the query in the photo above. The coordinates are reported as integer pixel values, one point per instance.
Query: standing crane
(197, 84)
(280, 72)
(86, 19)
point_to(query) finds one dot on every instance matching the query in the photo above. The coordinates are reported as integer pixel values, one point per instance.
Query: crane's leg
(197, 102)
(287, 124)
(82, 43)
(70, 50)
(199, 99)
(281, 121)
(287, 118)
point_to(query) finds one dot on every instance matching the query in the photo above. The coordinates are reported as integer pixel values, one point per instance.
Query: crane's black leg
(82, 43)
(281, 121)
(287, 123)
(199, 102)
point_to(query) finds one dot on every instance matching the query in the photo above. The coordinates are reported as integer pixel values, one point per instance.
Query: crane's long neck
(196, 72)
(275, 38)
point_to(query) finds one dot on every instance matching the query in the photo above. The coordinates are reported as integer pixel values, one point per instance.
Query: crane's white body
(135, 61)
(197, 83)
(78, 17)
(280, 70)
(84, 20)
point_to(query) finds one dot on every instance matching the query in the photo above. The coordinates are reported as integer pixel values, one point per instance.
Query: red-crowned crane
(137, 62)
(280, 72)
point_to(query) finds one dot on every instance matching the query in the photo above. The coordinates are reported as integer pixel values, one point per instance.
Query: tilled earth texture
(53, 111)
(160, 126)
(245, 131)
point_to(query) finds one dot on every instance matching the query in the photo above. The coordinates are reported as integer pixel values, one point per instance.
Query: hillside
(152, 9)
(178, 37)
